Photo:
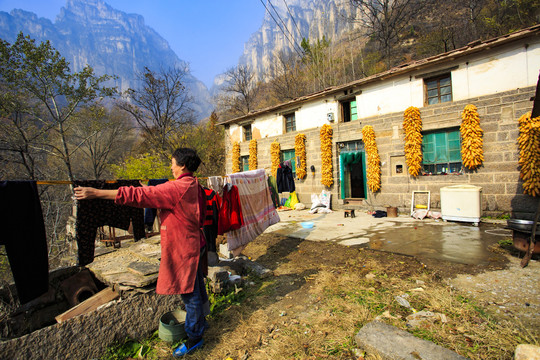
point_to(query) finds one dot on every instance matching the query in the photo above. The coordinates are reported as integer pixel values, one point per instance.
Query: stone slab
(143, 268)
(391, 343)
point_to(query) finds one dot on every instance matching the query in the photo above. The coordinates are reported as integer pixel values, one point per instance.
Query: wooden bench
(348, 213)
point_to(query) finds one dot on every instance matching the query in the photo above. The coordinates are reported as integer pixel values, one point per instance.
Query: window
(244, 163)
(349, 111)
(290, 122)
(289, 155)
(247, 132)
(438, 89)
(441, 152)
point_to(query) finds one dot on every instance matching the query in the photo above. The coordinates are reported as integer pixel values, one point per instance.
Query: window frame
(452, 152)
(292, 126)
(438, 79)
(244, 160)
(247, 132)
(347, 113)
(293, 159)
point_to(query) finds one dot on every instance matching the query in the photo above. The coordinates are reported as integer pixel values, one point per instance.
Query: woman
(183, 207)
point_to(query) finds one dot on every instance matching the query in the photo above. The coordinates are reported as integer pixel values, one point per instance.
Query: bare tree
(240, 92)
(105, 134)
(286, 80)
(161, 106)
(385, 20)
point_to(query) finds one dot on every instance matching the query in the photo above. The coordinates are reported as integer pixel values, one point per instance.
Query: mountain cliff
(285, 24)
(111, 41)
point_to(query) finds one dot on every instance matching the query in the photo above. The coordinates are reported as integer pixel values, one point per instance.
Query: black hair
(187, 157)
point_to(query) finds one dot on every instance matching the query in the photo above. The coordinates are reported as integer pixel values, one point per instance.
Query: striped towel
(257, 208)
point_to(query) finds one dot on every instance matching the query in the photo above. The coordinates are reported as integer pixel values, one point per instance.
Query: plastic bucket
(171, 326)
(391, 211)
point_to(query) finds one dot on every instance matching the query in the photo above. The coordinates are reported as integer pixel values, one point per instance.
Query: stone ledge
(391, 343)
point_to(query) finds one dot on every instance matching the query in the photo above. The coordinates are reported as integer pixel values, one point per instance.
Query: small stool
(349, 213)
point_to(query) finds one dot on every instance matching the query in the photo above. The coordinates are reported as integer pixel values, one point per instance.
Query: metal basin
(522, 225)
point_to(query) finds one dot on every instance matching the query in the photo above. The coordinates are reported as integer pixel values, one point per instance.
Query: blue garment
(194, 302)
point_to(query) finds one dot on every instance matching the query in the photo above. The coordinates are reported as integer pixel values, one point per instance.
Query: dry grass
(314, 306)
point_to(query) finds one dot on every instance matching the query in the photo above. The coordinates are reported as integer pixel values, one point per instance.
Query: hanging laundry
(272, 185)
(230, 214)
(257, 208)
(284, 178)
(150, 214)
(216, 183)
(24, 238)
(92, 214)
(211, 221)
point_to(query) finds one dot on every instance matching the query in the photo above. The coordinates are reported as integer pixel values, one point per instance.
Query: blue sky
(209, 34)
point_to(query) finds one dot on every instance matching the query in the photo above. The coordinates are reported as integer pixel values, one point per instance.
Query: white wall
(481, 74)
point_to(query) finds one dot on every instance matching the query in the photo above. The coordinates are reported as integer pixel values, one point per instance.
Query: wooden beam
(90, 304)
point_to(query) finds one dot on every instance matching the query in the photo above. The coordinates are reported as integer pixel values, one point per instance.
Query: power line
(292, 17)
(290, 41)
(280, 19)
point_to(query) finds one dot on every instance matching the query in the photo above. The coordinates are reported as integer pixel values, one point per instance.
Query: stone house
(498, 76)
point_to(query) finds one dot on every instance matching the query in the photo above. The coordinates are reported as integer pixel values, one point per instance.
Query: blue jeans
(194, 302)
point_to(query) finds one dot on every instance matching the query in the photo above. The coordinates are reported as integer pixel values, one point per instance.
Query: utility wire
(292, 43)
(280, 19)
(292, 17)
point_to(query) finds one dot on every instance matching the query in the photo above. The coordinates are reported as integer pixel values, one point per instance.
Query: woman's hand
(85, 193)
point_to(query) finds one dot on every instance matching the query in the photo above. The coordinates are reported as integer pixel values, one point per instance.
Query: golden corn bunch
(326, 155)
(373, 159)
(236, 157)
(412, 125)
(275, 151)
(472, 151)
(253, 154)
(300, 152)
(529, 154)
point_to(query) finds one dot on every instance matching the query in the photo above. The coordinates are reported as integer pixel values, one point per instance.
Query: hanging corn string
(529, 154)
(274, 156)
(412, 125)
(253, 154)
(235, 157)
(472, 152)
(300, 152)
(373, 159)
(326, 155)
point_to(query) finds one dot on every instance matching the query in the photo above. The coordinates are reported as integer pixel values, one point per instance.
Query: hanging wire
(288, 39)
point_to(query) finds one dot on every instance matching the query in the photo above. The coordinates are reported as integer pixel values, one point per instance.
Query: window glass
(441, 152)
(289, 155)
(244, 162)
(247, 132)
(354, 112)
(290, 122)
(439, 89)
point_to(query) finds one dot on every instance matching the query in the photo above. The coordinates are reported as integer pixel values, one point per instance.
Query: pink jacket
(182, 218)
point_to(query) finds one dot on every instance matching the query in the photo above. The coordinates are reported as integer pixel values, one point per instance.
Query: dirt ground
(322, 293)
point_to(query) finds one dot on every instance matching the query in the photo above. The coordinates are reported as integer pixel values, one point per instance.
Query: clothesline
(68, 182)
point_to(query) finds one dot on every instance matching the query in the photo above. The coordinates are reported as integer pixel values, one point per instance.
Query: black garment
(210, 226)
(150, 214)
(379, 214)
(24, 237)
(94, 213)
(284, 179)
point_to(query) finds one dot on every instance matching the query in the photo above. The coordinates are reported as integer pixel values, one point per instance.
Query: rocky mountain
(286, 23)
(111, 41)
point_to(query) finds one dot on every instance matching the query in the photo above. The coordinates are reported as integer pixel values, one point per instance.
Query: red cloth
(230, 214)
(182, 214)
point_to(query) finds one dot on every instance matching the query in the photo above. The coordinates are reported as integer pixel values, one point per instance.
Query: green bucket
(171, 326)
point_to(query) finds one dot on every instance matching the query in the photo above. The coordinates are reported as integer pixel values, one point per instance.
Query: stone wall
(502, 191)
(88, 336)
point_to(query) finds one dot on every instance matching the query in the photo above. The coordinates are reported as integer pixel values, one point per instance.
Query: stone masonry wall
(88, 336)
(502, 191)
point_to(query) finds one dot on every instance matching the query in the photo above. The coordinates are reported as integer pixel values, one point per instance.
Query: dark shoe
(187, 347)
